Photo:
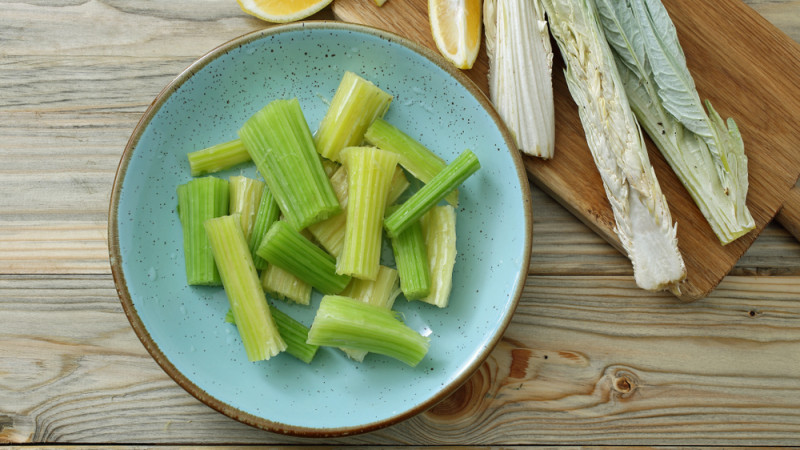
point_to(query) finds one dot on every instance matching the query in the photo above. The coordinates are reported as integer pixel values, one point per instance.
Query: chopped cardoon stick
(296, 336)
(399, 185)
(429, 195)
(293, 333)
(280, 143)
(286, 248)
(330, 232)
(283, 285)
(354, 106)
(268, 213)
(369, 176)
(411, 257)
(330, 167)
(414, 157)
(439, 232)
(198, 200)
(217, 158)
(245, 200)
(345, 322)
(256, 326)
(380, 292)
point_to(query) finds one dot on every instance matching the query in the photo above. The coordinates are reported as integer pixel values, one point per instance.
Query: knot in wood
(455, 404)
(466, 401)
(624, 383)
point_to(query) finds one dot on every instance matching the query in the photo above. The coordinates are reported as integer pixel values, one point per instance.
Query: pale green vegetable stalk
(345, 322)
(520, 72)
(643, 221)
(330, 232)
(199, 200)
(398, 186)
(429, 195)
(245, 200)
(296, 336)
(254, 321)
(707, 156)
(411, 257)
(280, 143)
(293, 333)
(382, 291)
(330, 167)
(355, 104)
(369, 177)
(379, 292)
(417, 159)
(286, 248)
(268, 213)
(439, 233)
(284, 285)
(217, 157)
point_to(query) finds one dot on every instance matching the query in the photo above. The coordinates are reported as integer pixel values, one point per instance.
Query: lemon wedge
(282, 11)
(456, 28)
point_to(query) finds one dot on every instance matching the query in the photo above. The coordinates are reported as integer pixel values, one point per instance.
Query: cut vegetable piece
(283, 285)
(330, 232)
(295, 334)
(707, 156)
(292, 332)
(256, 326)
(246, 196)
(330, 167)
(456, 29)
(345, 322)
(439, 232)
(381, 292)
(280, 143)
(268, 213)
(369, 177)
(643, 221)
(414, 157)
(286, 248)
(217, 158)
(411, 257)
(199, 200)
(399, 185)
(520, 72)
(429, 195)
(356, 103)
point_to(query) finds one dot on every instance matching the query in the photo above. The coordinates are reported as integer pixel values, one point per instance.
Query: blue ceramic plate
(183, 327)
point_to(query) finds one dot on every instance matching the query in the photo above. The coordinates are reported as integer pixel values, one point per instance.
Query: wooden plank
(67, 111)
(586, 360)
(74, 150)
(746, 75)
(622, 366)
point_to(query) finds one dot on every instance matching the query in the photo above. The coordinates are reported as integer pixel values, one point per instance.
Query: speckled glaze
(183, 327)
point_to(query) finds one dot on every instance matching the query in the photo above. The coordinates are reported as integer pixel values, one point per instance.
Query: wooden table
(588, 359)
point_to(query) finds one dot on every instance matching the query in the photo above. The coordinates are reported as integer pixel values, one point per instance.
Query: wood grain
(588, 358)
(749, 76)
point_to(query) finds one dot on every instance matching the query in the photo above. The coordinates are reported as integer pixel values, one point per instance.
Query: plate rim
(115, 256)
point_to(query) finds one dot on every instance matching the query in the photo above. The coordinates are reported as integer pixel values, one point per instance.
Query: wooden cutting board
(749, 70)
